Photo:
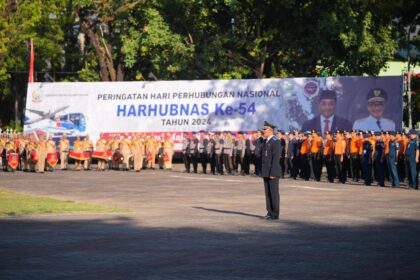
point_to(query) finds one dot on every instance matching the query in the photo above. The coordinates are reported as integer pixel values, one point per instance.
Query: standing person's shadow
(228, 212)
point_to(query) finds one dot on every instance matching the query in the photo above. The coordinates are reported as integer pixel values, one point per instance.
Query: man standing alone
(271, 171)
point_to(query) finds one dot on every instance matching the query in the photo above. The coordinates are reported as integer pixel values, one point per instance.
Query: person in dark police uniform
(392, 159)
(271, 171)
(411, 156)
(366, 159)
(211, 152)
(281, 137)
(202, 148)
(258, 143)
(186, 142)
(378, 160)
(247, 155)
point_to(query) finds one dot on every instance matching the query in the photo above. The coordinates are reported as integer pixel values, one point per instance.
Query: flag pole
(31, 64)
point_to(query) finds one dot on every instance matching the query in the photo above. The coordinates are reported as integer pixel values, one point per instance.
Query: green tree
(21, 21)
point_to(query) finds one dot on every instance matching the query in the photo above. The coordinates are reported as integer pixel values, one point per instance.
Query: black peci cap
(328, 94)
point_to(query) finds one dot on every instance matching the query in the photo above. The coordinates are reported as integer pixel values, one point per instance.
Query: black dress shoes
(268, 217)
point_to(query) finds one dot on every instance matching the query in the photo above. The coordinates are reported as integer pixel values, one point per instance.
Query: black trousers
(355, 166)
(283, 165)
(213, 163)
(317, 166)
(258, 165)
(234, 162)
(204, 161)
(219, 163)
(401, 167)
(367, 170)
(194, 161)
(290, 167)
(295, 166)
(412, 172)
(341, 169)
(330, 165)
(246, 161)
(272, 196)
(187, 162)
(379, 171)
(305, 168)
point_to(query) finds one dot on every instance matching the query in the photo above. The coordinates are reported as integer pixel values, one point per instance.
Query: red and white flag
(31, 64)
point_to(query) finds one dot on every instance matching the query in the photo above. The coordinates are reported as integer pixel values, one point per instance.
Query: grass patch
(12, 203)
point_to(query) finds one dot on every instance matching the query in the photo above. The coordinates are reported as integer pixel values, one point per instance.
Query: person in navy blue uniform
(411, 156)
(186, 145)
(296, 155)
(378, 159)
(393, 150)
(281, 137)
(271, 171)
(292, 152)
(202, 149)
(366, 159)
(247, 156)
(258, 143)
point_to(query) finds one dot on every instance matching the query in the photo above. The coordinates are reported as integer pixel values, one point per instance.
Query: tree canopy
(125, 40)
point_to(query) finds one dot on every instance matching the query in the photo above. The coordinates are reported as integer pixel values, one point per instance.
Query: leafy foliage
(92, 40)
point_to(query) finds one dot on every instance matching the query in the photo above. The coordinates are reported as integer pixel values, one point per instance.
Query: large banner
(366, 103)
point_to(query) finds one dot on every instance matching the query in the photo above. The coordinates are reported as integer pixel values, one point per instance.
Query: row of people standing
(117, 152)
(357, 155)
(218, 153)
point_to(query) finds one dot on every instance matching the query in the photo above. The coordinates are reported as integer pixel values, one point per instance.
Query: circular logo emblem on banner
(311, 89)
(36, 97)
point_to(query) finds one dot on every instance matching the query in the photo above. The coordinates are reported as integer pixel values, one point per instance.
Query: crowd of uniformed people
(370, 157)
(33, 153)
(367, 156)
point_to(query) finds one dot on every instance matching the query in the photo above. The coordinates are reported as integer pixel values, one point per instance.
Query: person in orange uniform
(151, 149)
(17, 138)
(41, 153)
(339, 151)
(64, 148)
(305, 150)
(125, 150)
(360, 147)
(168, 152)
(329, 156)
(137, 148)
(354, 156)
(23, 141)
(101, 146)
(31, 153)
(87, 149)
(372, 139)
(401, 166)
(3, 141)
(78, 148)
(113, 146)
(51, 148)
(385, 139)
(9, 147)
(316, 155)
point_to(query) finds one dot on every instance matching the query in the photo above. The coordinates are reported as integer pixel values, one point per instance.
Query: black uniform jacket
(271, 153)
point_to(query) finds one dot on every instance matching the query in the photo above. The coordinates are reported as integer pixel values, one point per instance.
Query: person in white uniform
(376, 99)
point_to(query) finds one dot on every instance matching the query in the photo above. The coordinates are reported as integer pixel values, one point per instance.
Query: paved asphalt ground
(193, 226)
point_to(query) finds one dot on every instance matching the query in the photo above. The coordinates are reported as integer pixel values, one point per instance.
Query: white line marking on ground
(208, 179)
(312, 188)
